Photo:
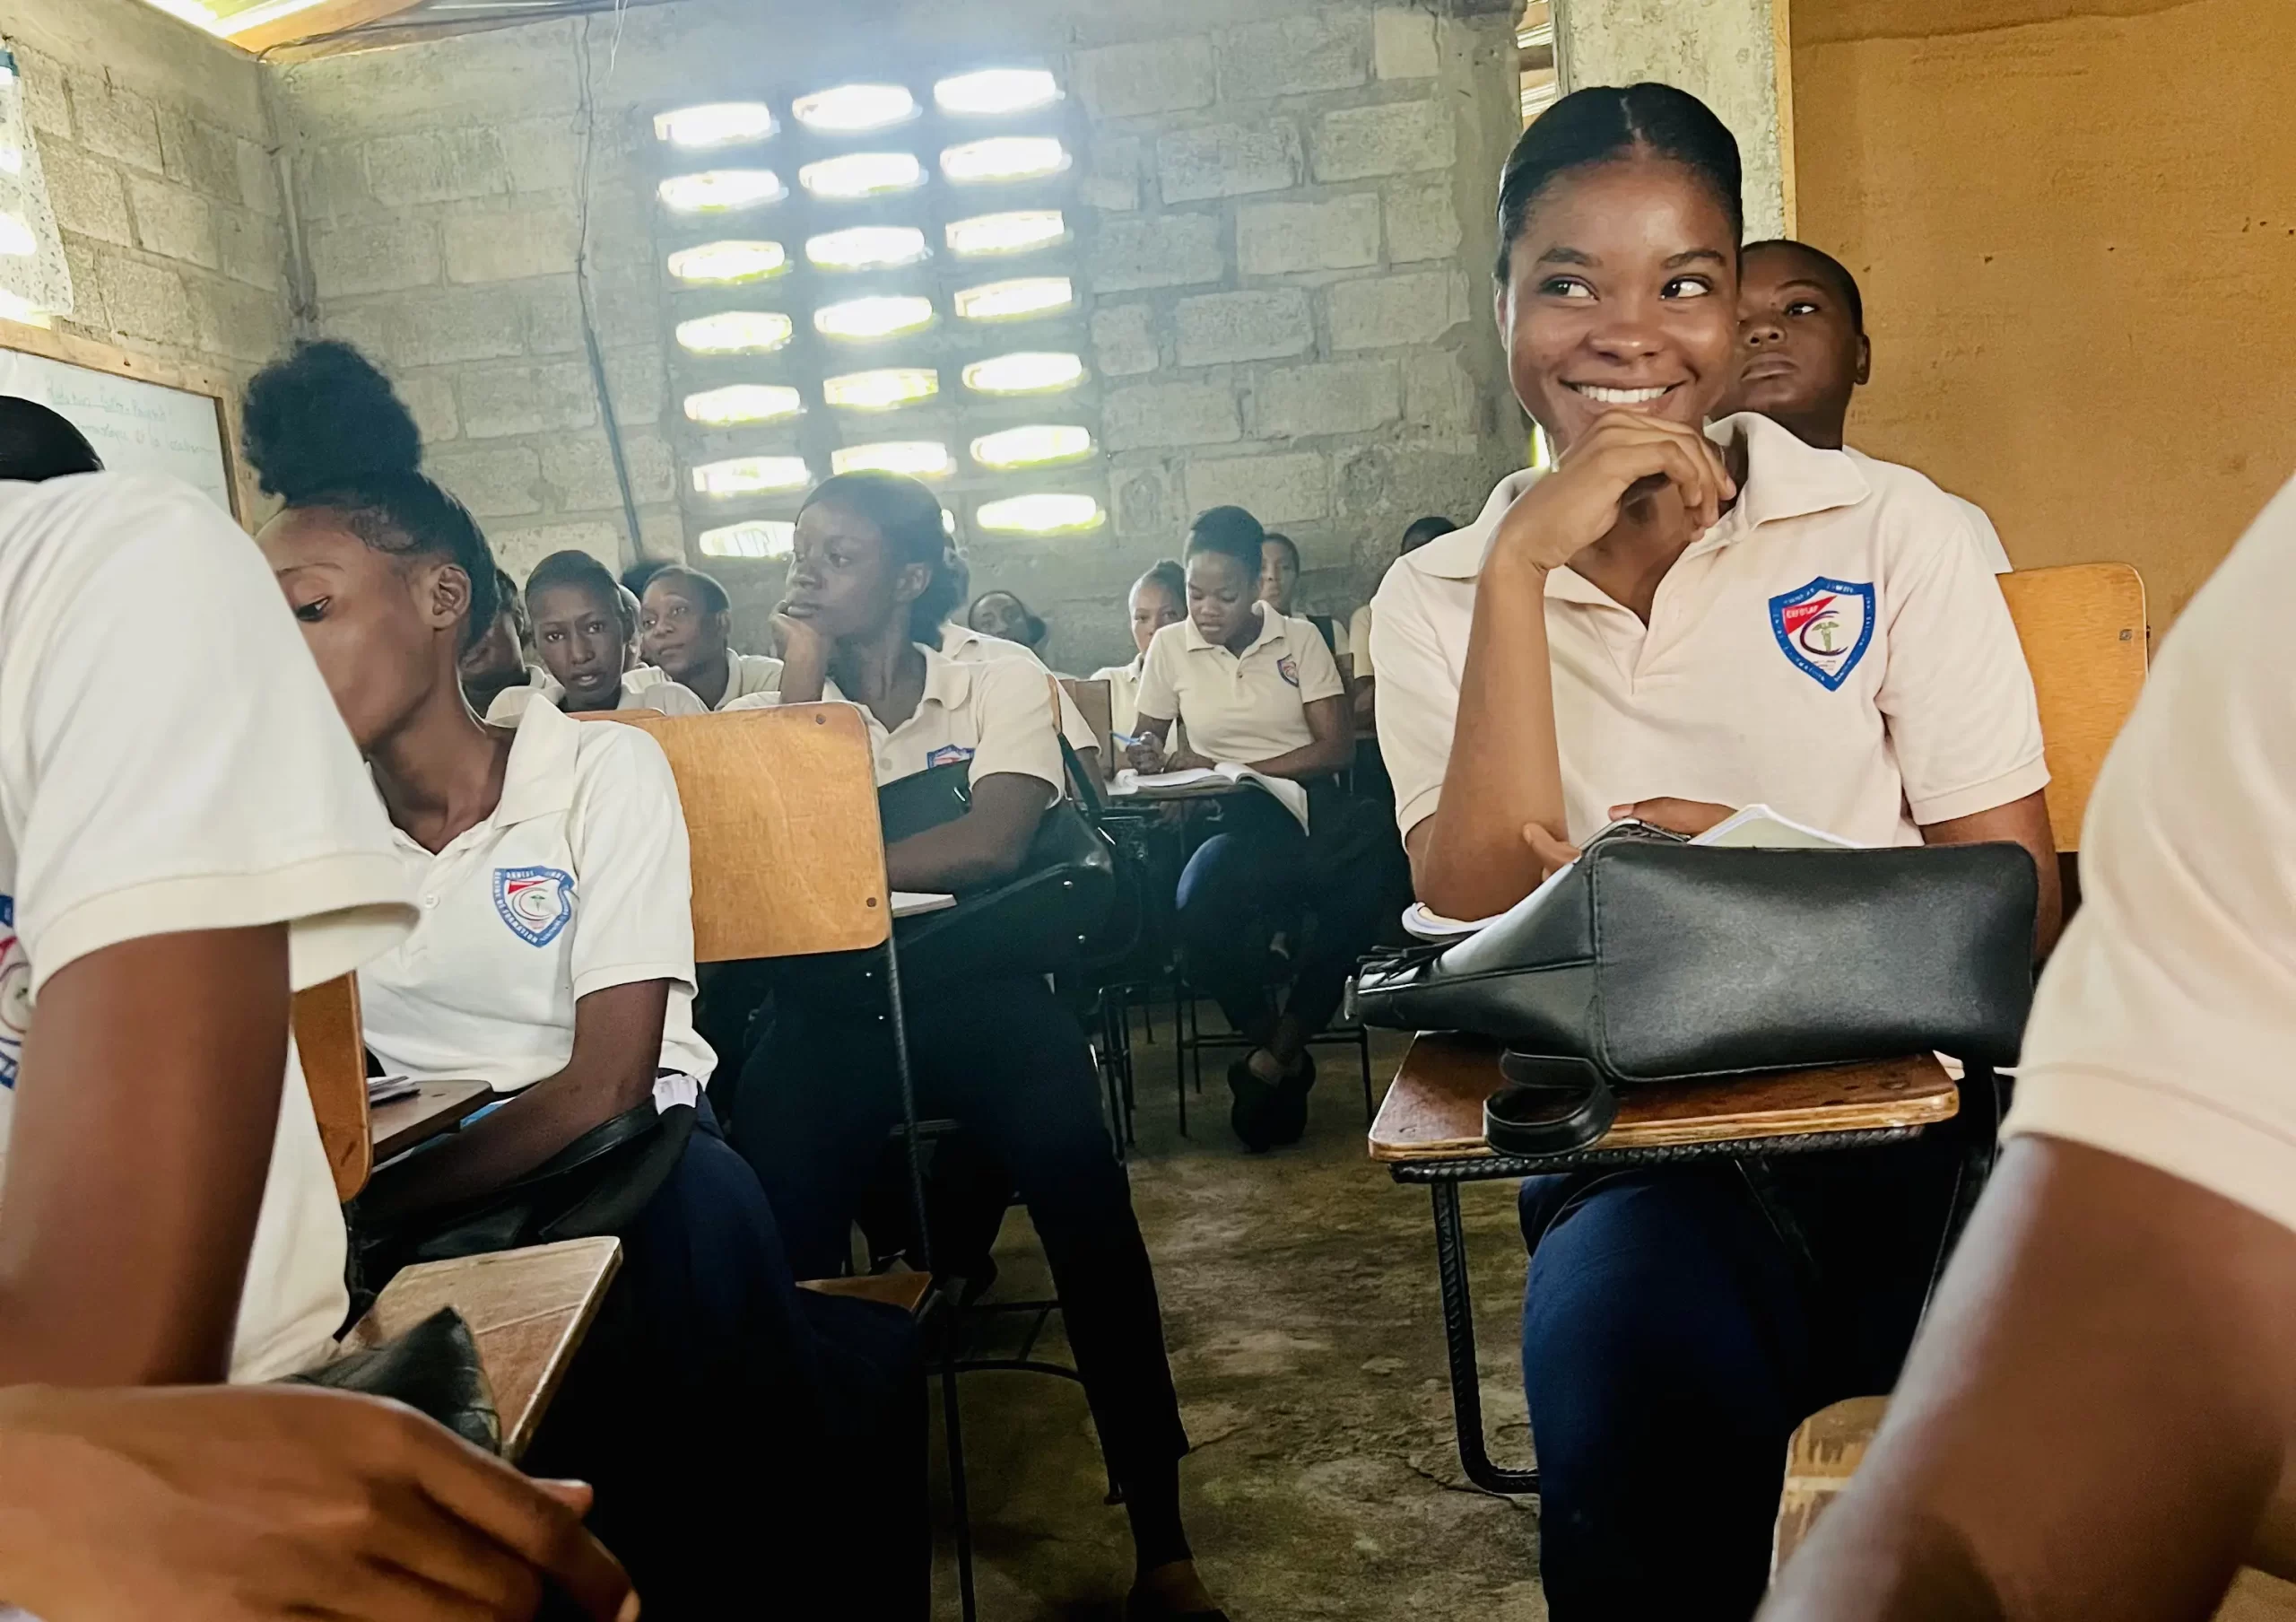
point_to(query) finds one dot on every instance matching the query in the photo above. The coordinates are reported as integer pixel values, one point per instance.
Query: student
(36, 443)
(1159, 598)
(2121, 1312)
(1802, 337)
(870, 583)
(1416, 534)
(499, 662)
(1002, 616)
(1666, 626)
(1254, 685)
(683, 622)
(583, 625)
(967, 646)
(554, 961)
(1279, 583)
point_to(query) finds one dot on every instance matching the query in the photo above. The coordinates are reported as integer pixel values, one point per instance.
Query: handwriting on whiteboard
(135, 426)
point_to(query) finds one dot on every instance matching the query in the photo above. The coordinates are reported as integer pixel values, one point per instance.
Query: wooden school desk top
(434, 1107)
(1434, 1110)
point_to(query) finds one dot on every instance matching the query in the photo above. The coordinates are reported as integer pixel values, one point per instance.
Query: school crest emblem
(1824, 628)
(948, 754)
(1289, 669)
(536, 903)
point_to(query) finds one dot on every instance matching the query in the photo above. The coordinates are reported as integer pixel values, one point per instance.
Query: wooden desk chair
(2083, 627)
(527, 1309)
(789, 861)
(1826, 1450)
(1093, 699)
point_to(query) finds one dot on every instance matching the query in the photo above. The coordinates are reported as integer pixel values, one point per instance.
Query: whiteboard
(136, 426)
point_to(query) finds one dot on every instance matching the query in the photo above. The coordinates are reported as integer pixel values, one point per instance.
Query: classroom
(1228, 808)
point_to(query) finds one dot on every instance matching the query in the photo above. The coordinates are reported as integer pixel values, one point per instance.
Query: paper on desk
(908, 904)
(1286, 793)
(382, 1089)
(1756, 827)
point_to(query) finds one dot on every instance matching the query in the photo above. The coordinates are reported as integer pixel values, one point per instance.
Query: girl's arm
(1333, 748)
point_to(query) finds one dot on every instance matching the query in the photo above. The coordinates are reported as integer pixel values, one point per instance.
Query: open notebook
(1213, 780)
(1757, 827)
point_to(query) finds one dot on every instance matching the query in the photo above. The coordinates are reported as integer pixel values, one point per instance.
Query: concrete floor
(1306, 1341)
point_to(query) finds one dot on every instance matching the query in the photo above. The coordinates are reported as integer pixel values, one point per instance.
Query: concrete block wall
(158, 145)
(1284, 231)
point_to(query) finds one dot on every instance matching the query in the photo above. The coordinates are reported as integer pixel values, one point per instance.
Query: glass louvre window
(920, 458)
(728, 263)
(1014, 301)
(997, 90)
(718, 124)
(853, 109)
(1027, 373)
(1036, 445)
(1042, 513)
(884, 390)
(756, 538)
(750, 475)
(1005, 158)
(863, 174)
(1024, 231)
(735, 332)
(866, 247)
(743, 403)
(862, 319)
(721, 190)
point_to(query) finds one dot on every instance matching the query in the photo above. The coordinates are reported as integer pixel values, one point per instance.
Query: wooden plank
(2083, 627)
(528, 1310)
(434, 1107)
(332, 1051)
(906, 1291)
(1092, 699)
(1434, 1110)
(326, 17)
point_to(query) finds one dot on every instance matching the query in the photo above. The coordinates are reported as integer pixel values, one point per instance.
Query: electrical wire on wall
(582, 296)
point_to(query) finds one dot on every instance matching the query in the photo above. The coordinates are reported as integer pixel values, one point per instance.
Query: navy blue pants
(747, 1438)
(1675, 1330)
(1260, 874)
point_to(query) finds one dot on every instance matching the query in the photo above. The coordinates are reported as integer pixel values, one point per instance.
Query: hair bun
(325, 420)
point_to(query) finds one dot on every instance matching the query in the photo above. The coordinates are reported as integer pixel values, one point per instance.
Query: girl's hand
(1145, 757)
(1552, 853)
(1687, 817)
(1626, 455)
(1186, 760)
(805, 658)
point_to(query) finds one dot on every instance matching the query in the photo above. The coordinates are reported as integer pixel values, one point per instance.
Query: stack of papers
(1757, 827)
(1214, 780)
(382, 1089)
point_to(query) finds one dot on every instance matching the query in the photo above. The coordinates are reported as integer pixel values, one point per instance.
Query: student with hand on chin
(1804, 349)
(684, 623)
(584, 624)
(1257, 687)
(553, 959)
(872, 578)
(175, 858)
(1677, 620)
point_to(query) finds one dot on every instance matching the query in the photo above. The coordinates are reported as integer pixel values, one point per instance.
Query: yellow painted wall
(2074, 222)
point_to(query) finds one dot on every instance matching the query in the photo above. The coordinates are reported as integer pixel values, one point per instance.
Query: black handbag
(434, 1368)
(1656, 960)
(1053, 914)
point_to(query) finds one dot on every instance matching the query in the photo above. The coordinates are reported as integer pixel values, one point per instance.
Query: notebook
(1210, 780)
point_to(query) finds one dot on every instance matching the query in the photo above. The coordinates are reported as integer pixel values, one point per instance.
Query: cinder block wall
(157, 147)
(1285, 240)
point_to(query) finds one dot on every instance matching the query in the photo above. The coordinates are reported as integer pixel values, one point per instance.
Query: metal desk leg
(1458, 1333)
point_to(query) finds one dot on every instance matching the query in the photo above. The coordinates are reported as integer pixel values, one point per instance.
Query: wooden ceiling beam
(327, 17)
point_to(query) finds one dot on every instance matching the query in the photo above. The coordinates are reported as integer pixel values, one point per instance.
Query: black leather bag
(1053, 914)
(434, 1368)
(1655, 961)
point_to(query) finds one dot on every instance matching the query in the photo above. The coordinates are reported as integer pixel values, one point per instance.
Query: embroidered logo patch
(948, 754)
(15, 993)
(536, 903)
(1289, 669)
(1825, 627)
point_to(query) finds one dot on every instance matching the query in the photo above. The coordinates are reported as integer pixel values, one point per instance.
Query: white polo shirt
(1989, 549)
(1124, 692)
(226, 796)
(647, 687)
(996, 713)
(578, 881)
(745, 672)
(1246, 707)
(967, 646)
(2164, 1030)
(1818, 650)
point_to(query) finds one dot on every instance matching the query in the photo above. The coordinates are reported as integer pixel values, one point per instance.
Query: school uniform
(967, 646)
(820, 1094)
(745, 674)
(1989, 549)
(130, 808)
(1835, 647)
(644, 688)
(1123, 694)
(1260, 872)
(579, 880)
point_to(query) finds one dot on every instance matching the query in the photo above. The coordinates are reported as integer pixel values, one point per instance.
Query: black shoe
(1254, 1101)
(1287, 1115)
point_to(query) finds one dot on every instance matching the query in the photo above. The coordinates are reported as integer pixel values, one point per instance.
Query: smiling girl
(1678, 620)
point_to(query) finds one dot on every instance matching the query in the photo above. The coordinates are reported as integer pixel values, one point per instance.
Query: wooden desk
(435, 1107)
(1429, 1131)
(528, 1310)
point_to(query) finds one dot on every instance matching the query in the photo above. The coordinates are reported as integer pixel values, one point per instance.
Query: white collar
(1271, 627)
